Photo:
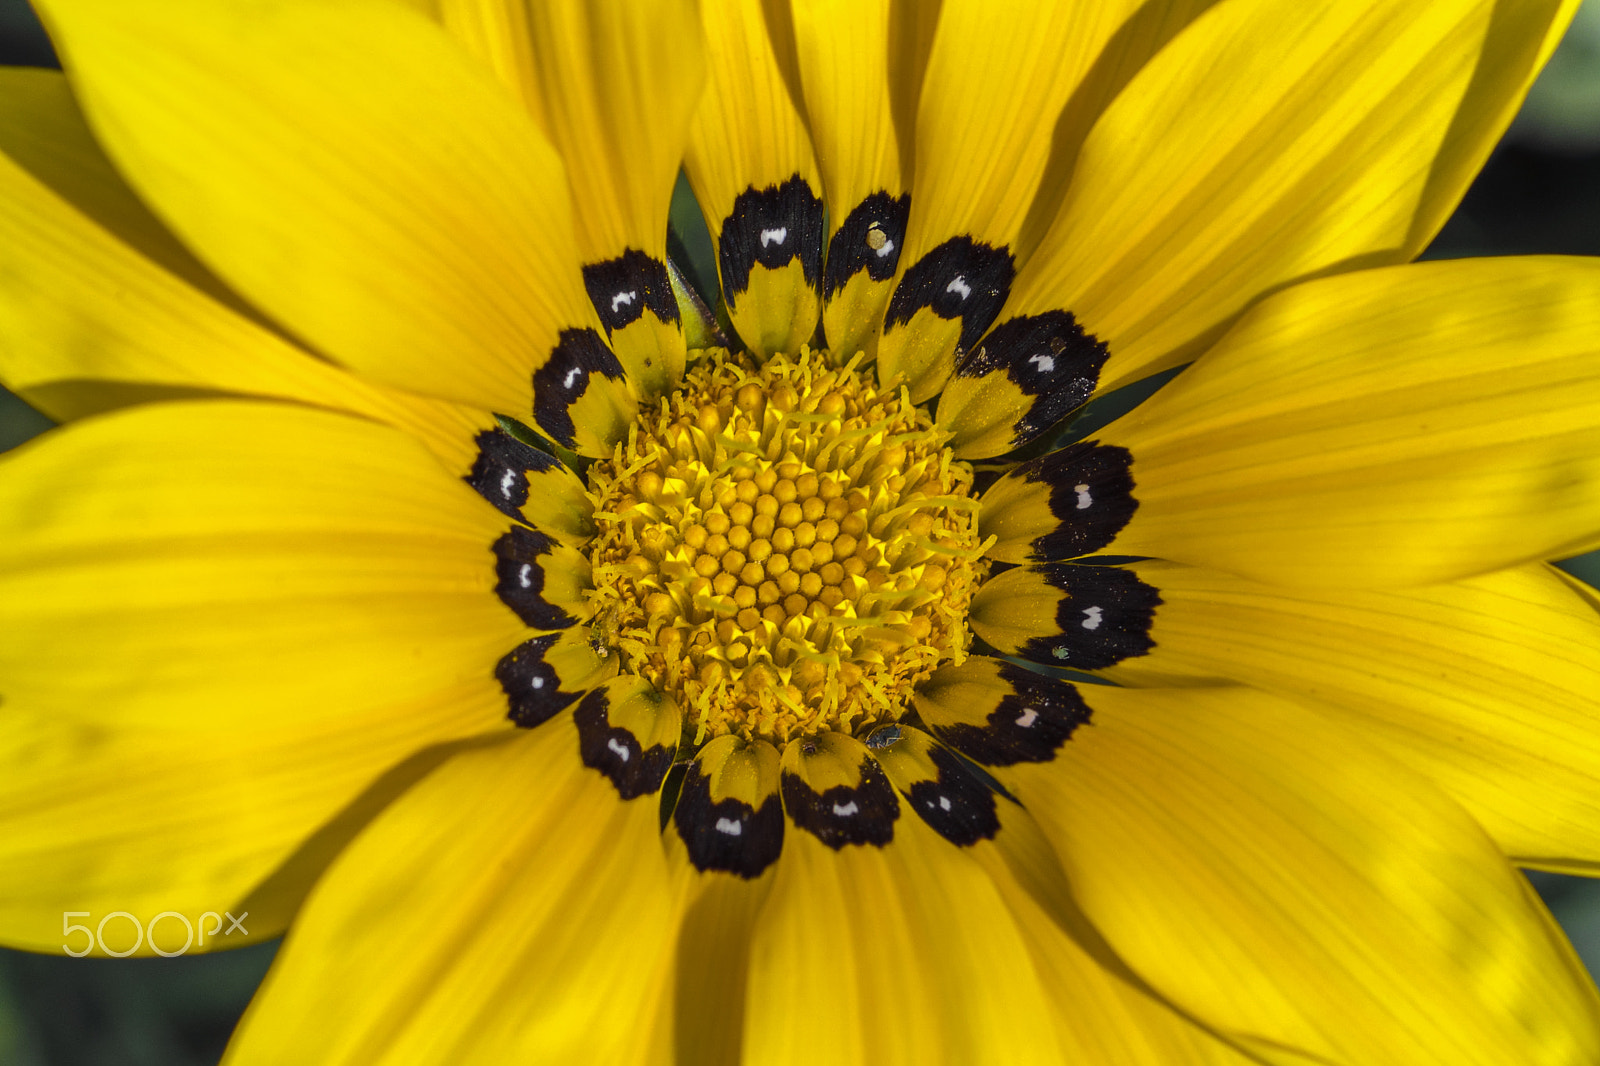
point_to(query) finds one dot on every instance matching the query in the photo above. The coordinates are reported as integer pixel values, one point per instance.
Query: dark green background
(1540, 193)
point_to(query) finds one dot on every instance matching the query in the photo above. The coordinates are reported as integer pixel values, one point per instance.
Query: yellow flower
(718, 745)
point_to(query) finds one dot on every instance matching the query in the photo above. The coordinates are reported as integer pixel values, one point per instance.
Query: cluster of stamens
(784, 549)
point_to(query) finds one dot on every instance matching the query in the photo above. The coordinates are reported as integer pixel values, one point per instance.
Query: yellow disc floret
(784, 548)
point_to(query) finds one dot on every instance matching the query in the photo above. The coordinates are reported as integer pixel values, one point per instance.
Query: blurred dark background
(1539, 193)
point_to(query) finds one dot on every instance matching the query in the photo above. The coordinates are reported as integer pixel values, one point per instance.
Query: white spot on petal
(1084, 499)
(623, 299)
(845, 810)
(1027, 717)
(1091, 618)
(1045, 363)
(730, 826)
(959, 285)
(507, 481)
(774, 236)
(525, 575)
(572, 375)
(538, 682)
(888, 246)
(944, 802)
(619, 747)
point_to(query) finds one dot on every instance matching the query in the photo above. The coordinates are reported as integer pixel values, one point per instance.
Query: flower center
(784, 548)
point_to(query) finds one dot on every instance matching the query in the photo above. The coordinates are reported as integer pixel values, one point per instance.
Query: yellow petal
(844, 51)
(1064, 614)
(1144, 31)
(509, 908)
(105, 818)
(725, 839)
(751, 166)
(182, 564)
(619, 85)
(997, 78)
(1490, 686)
(1269, 143)
(1102, 1013)
(914, 931)
(1392, 427)
(100, 306)
(1285, 882)
(349, 172)
(1068, 503)
(531, 485)
(1026, 375)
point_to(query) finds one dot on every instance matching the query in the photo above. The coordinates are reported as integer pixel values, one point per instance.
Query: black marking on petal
(956, 804)
(563, 379)
(1104, 617)
(1091, 493)
(864, 814)
(531, 684)
(1048, 357)
(728, 835)
(1029, 724)
(615, 752)
(500, 473)
(622, 288)
(962, 278)
(771, 226)
(521, 584)
(869, 239)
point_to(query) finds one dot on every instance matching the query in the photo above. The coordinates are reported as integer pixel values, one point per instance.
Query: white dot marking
(1045, 363)
(845, 810)
(1084, 499)
(774, 236)
(730, 826)
(525, 575)
(624, 299)
(508, 479)
(944, 802)
(1027, 717)
(888, 246)
(572, 375)
(538, 682)
(619, 747)
(1091, 618)
(959, 285)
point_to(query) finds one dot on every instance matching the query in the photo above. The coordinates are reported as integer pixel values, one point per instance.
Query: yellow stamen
(784, 548)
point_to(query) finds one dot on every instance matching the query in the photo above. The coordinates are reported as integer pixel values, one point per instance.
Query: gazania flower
(424, 571)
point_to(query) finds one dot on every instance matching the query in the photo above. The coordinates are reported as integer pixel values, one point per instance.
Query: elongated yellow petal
(498, 34)
(349, 172)
(1490, 686)
(103, 817)
(509, 908)
(619, 85)
(1288, 884)
(230, 562)
(100, 306)
(877, 928)
(1144, 31)
(1269, 142)
(1392, 427)
(844, 50)
(997, 78)
(752, 169)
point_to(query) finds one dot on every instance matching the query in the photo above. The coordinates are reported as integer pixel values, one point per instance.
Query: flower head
(585, 667)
